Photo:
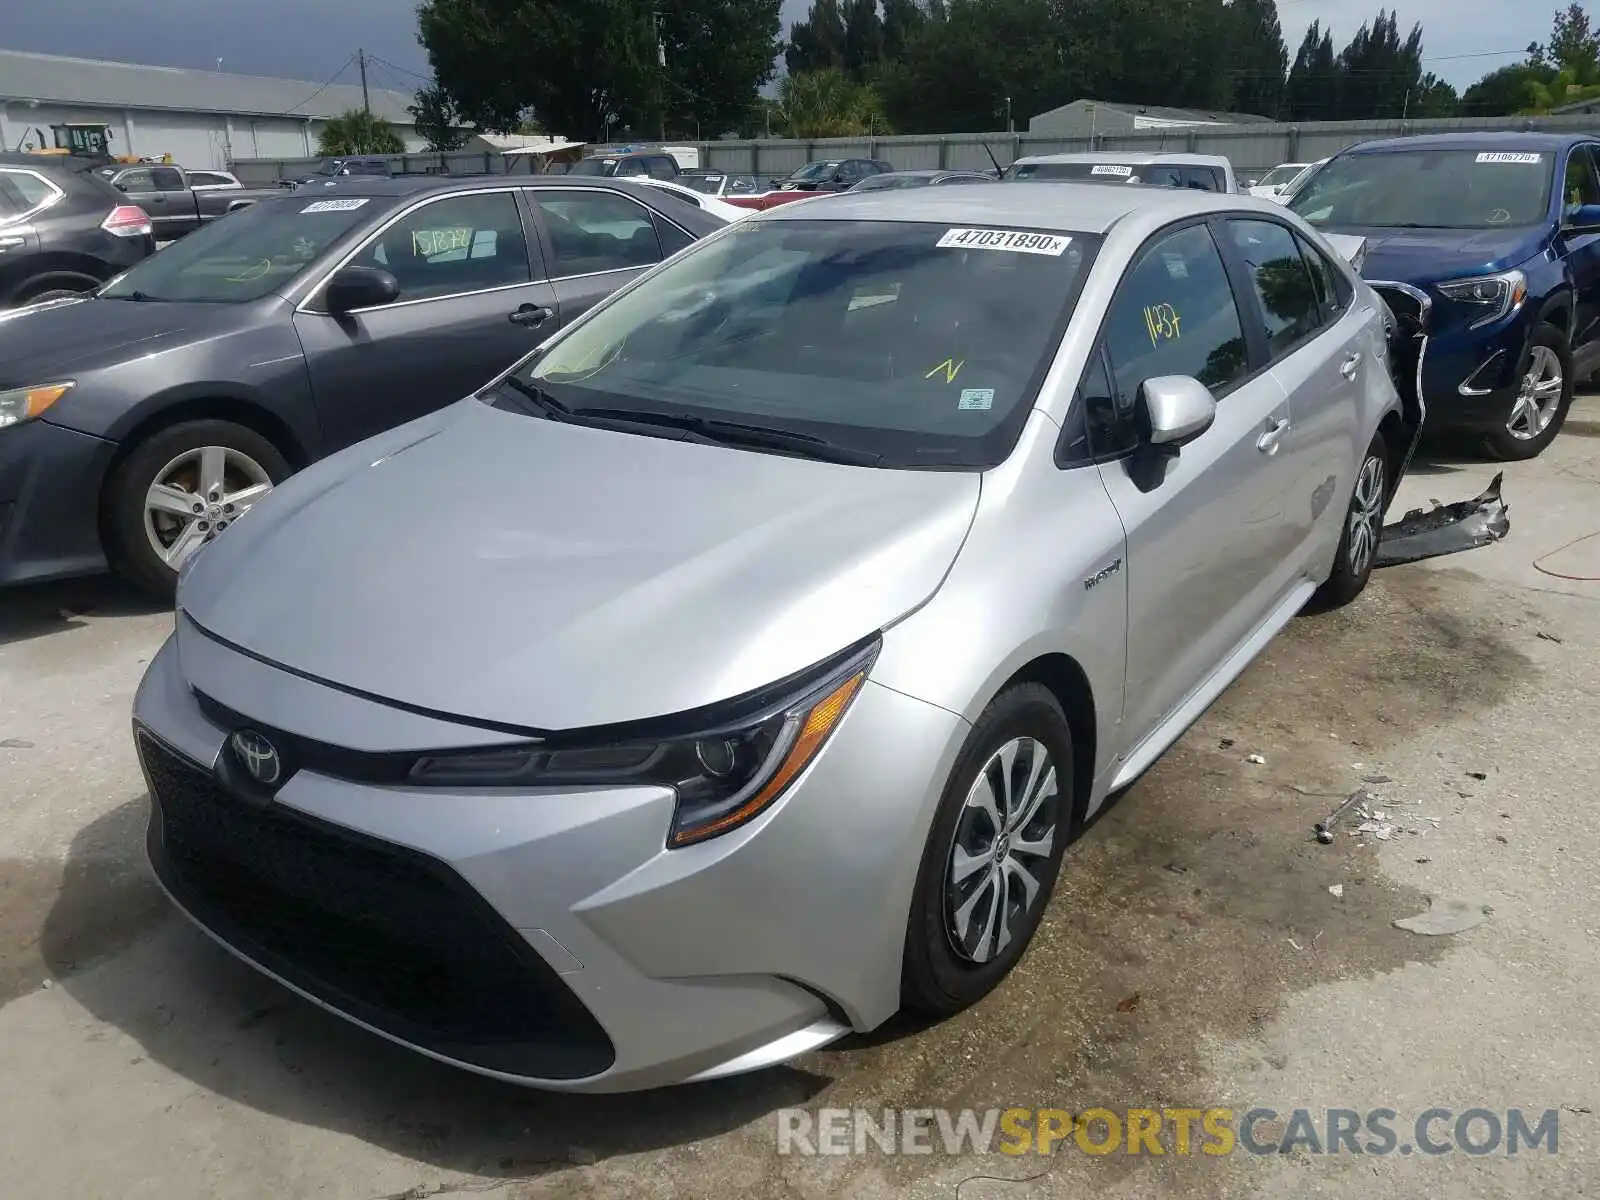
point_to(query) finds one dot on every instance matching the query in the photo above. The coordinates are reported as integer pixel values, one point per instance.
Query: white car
(1284, 181)
(709, 204)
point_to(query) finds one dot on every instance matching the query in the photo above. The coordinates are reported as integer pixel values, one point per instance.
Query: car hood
(42, 343)
(512, 570)
(1423, 256)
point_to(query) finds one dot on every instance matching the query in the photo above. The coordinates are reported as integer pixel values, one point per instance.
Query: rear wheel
(178, 490)
(993, 854)
(1544, 393)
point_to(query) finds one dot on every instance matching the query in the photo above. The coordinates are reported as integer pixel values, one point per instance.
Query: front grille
(392, 937)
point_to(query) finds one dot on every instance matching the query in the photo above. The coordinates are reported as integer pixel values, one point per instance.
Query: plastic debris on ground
(1446, 528)
(1337, 891)
(1445, 917)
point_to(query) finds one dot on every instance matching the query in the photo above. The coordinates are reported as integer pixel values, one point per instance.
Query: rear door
(1316, 348)
(1206, 541)
(18, 240)
(466, 265)
(179, 209)
(595, 240)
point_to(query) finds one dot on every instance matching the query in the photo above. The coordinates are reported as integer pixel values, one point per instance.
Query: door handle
(1348, 370)
(531, 315)
(7, 242)
(1267, 443)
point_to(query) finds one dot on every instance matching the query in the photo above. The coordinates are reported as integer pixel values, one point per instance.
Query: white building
(1085, 118)
(201, 118)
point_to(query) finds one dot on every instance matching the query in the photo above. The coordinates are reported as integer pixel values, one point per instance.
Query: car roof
(1487, 140)
(1132, 158)
(1069, 207)
(412, 185)
(938, 173)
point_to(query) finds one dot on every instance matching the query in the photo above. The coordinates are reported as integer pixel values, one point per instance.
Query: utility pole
(366, 102)
(661, 55)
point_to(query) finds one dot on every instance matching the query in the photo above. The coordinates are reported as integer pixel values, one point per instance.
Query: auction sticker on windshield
(333, 206)
(1507, 156)
(1119, 172)
(1015, 240)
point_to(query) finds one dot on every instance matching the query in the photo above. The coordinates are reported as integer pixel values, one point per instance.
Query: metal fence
(1253, 149)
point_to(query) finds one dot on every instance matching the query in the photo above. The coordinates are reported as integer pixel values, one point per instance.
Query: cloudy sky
(309, 39)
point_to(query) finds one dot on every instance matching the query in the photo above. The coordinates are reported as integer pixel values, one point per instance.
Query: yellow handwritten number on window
(1162, 322)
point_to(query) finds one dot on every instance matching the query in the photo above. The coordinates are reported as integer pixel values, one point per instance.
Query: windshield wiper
(546, 404)
(737, 433)
(133, 295)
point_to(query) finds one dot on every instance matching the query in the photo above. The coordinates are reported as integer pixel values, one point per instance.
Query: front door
(1205, 541)
(1583, 259)
(595, 240)
(464, 267)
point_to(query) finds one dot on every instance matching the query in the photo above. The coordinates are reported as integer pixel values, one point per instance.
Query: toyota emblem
(258, 756)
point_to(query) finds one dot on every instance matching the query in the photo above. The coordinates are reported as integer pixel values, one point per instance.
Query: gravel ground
(1193, 957)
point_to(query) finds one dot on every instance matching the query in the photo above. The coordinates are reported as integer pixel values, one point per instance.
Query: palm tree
(822, 104)
(358, 132)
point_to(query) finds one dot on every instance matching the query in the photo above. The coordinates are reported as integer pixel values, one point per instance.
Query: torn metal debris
(1446, 528)
(1325, 826)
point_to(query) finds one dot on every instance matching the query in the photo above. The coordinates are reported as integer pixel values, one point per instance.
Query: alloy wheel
(1003, 840)
(196, 496)
(1539, 396)
(1366, 515)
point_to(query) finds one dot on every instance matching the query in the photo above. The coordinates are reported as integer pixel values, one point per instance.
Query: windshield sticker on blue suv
(1507, 156)
(1053, 244)
(332, 206)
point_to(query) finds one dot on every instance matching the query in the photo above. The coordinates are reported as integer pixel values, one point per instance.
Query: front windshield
(1082, 172)
(919, 343)
(814, 171)
(244, 255)
(594, 166)
(1429, 189)
(1280, 175)
(885, 183)
(709, 185)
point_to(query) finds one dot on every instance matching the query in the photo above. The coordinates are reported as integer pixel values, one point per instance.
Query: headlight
(1498, 295)
(724, 775)
(24, 404)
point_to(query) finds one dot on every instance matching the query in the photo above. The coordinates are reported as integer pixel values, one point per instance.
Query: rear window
(595, 166)
(922, 343)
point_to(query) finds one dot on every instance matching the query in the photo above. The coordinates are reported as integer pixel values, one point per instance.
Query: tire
(1546, 365)
(1363, 528)
(55, 294)
(943, 972)
(183, 457)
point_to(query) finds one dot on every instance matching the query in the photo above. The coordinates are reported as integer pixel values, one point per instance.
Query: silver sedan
(736, 670)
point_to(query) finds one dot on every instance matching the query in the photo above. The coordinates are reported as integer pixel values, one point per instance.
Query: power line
(326, 85)
(373, 58)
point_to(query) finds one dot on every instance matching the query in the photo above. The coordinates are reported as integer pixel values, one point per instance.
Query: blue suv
(1486, 247)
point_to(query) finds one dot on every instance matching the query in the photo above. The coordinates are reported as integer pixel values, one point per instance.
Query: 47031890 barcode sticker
(1014, 240)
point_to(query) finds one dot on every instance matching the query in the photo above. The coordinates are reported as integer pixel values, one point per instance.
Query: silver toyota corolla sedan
(737, 669)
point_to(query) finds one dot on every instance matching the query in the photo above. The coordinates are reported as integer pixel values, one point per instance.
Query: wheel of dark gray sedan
(1363, 529)
(55, 294)
(178, 490)
(992, 857)
(1544, 394)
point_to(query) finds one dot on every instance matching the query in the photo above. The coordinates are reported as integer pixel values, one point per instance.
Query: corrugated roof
(56, 79)
(1161, 113)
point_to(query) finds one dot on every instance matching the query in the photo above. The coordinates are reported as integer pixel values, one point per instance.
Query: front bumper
(544, 939)
(50, 481)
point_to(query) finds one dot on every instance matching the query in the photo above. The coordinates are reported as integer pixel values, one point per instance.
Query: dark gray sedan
(138, 424)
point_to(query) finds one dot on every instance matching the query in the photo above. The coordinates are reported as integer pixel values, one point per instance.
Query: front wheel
(991, 859)
(178, 490)
(1544, 394)
(1363, 529)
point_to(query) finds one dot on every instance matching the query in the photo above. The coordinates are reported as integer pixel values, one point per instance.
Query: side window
(166, 179)
(1581, 186)
(1333, 292)
(661, 168)
(1109, 420)
(1157, 175)
(594, 231)
(1201, 179)
(204, 179)
(1175, 315)
(25, 190)
(741, 185)
(136, 181)
(462, 244)
(673, 239)
(1282, 283)
(630, 167)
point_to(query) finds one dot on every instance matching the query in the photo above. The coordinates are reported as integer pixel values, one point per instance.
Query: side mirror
(360, 287)
(1177, 409)
(121, 187)
(1585, 218)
